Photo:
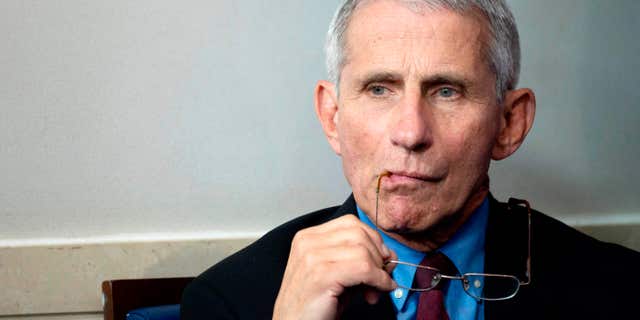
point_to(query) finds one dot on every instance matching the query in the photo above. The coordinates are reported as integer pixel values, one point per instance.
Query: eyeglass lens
(490, 287)
(478, 285)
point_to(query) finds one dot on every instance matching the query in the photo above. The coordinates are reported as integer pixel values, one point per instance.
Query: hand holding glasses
(480, 286)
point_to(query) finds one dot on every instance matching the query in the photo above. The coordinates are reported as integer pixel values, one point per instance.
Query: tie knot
(425, 278)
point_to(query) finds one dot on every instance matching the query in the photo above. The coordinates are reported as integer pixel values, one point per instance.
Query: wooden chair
(122, 296)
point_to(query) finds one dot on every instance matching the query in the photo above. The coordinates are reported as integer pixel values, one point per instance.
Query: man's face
(416, 99)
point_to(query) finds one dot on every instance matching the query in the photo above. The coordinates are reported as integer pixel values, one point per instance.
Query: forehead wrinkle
(426, 66)
(400, 28)
(404, 30)
(479, 34)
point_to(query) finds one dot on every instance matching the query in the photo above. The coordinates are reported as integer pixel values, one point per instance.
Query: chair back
(122, 296)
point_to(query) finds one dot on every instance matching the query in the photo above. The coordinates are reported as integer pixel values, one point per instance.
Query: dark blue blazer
(573, 276)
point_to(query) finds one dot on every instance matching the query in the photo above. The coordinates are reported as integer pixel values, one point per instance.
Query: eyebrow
(379, 76)
(425, 83)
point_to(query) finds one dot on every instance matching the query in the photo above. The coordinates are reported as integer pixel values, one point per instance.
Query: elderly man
(422, 97)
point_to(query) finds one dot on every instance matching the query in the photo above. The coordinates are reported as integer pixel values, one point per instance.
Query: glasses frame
(513, 202)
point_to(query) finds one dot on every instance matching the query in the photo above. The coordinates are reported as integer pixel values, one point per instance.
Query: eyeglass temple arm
(518, 202)
(384, 173)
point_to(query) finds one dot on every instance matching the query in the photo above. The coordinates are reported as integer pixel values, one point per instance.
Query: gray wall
(196, 117)
(580, 161)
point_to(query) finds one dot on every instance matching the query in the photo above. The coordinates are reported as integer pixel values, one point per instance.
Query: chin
(402, 216)
(408, 221)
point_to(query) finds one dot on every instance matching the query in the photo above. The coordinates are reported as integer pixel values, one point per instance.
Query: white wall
(580, 161)
(167, 118)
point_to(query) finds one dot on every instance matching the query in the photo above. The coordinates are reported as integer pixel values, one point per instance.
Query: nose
(411, 129)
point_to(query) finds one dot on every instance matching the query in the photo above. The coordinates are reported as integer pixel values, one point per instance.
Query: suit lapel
(348, 207)
(506, 253)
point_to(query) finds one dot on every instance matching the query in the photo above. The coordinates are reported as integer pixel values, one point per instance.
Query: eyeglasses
(480, 286)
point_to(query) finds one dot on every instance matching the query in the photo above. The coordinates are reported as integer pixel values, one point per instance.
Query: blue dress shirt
(465, 249)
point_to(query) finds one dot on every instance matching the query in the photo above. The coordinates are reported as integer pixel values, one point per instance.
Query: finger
(348, 267)
(356, 273)
(349, 222)
(390, 266)
(357, 238)
(334, 243)
(340, 259)
(345, 233)
(375, 236)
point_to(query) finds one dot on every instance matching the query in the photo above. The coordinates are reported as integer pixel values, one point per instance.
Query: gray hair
(503, 52)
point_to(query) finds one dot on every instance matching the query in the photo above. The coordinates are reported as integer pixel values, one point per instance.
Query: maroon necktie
(431, 303)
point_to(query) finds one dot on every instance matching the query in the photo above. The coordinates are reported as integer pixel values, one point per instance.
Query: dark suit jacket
(573, 276)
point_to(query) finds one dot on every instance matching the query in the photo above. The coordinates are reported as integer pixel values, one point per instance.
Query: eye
(446, 92)
(378, 90)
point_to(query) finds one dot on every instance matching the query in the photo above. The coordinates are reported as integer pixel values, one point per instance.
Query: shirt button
(398, 293)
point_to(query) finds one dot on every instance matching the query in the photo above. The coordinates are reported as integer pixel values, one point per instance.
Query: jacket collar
(506, 253)
(348, 207)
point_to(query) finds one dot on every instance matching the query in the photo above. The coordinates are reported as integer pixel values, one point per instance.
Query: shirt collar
(465, 249)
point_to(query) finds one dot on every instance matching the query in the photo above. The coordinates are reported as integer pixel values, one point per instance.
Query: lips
(407, 177)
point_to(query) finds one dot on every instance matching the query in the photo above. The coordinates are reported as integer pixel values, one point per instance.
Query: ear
(519, 109)
(326, 102)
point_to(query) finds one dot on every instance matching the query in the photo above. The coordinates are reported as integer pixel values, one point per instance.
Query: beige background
(49, 280)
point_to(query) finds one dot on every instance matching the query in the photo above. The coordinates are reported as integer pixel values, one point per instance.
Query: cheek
(358, 147)
(468, 142)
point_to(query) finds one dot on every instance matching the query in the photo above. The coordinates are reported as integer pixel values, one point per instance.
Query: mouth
(401, 177)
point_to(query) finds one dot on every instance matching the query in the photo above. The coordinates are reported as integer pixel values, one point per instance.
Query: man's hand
(326, 260)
